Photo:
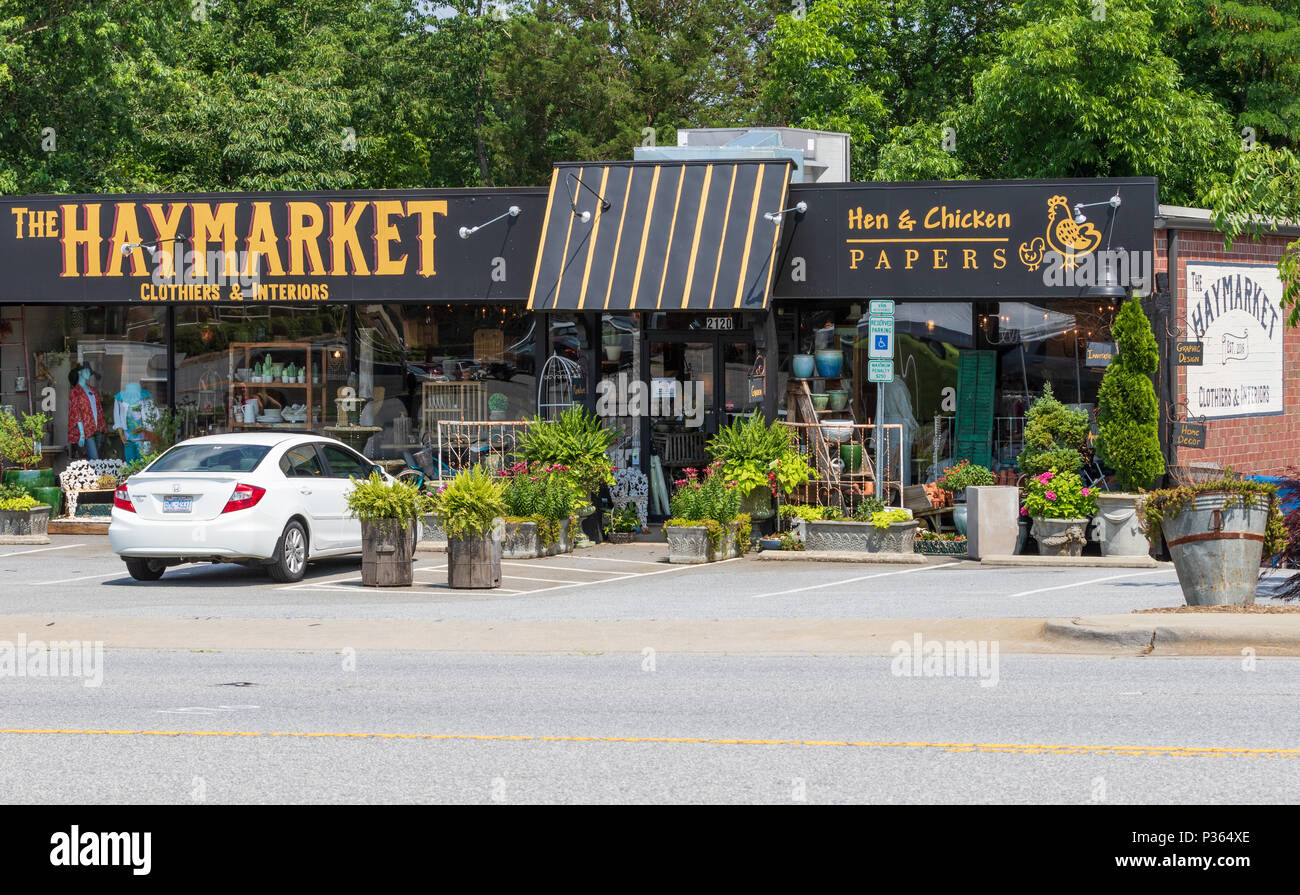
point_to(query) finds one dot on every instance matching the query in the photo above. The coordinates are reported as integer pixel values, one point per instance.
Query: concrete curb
(1226, 634)
(892, 559)
(1075, 562)
(24, 539)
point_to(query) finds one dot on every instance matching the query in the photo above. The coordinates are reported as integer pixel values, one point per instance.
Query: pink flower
(1087, 491)
(1024, 511)
(1048, 476)
(1051, 495)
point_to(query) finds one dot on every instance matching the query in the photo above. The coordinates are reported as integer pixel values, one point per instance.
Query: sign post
(880, 369)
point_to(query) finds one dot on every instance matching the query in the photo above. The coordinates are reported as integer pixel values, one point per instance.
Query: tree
(1128, 415)
(1053, 435)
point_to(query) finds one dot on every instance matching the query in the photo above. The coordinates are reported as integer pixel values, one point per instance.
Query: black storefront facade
(697, 279)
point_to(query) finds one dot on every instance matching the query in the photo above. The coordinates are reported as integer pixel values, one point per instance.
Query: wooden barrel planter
(386, 552)
(474, 562)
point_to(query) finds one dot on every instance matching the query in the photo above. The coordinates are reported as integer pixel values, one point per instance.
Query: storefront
(670, 297)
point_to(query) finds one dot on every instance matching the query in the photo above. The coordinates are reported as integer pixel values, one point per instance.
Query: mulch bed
(1254, 609)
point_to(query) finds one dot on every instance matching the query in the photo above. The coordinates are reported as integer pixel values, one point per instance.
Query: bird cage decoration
(561, 386)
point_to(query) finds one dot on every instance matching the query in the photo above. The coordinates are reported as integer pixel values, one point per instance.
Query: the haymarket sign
(966, 240)
(392, 245)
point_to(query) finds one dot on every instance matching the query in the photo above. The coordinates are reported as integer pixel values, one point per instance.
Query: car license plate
(178, 504)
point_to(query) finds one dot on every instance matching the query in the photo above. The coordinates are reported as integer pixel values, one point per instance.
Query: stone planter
(1217, 549)
(1060, 537)
(25, 526)
(432, 535)
(521, 541)
(690, 544)
(475, 562)
(758, 504)
(859, 537)
(1117, 526)
(386, 552)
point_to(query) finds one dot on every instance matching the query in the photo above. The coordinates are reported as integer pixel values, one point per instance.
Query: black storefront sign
(378, 246)
(1190, 354)
(1189, 435)
(964, 240)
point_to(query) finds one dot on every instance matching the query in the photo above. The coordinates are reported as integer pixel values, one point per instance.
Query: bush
(885, 518)
(470, 503)
(1053, 435)
(1128, 414)
(965, 474)
(20, 440)
(864, 511)
(545, 492)
(755, 454)
(577, 440)
(23, 503)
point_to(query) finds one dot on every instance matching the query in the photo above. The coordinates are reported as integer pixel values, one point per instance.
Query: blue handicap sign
(882, 342)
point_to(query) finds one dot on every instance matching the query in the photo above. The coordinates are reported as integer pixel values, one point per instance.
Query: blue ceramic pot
(802, 365)
(829, 362)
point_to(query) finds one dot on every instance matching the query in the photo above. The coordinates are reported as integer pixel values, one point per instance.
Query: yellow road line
(1015, 748)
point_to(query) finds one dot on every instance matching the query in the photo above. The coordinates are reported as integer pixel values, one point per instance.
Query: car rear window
(211, 458)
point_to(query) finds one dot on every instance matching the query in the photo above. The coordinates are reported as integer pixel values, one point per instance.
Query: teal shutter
(976, 379)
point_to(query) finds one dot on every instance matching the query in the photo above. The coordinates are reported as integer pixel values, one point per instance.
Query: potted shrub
(873, 528)
(956, 479)
(540, 503)
(1060, 508)
(23, 519)
(497, 404)
(761, 459)
(1218, 533)
(20, 447)
(471, 506)
(388, 510)
(622, 524)
(1128, 438)
(706, 523)
(1053, 435)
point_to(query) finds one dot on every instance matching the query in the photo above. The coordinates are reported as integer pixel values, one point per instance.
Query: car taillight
(122, 499)
(244, 496)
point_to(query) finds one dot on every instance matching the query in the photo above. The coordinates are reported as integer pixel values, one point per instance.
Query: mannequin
(86, 423)
(133, 414)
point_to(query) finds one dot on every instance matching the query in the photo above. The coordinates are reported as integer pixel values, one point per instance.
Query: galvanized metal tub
(1117, 526)
(1217, 549)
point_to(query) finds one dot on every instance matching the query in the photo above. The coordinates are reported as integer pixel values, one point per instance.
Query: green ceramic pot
(820, 401)
(839, 398)
(51, 497)
(851, 455)
(30, 478)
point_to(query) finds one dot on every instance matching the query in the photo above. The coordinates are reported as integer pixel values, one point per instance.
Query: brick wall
(1264, 445)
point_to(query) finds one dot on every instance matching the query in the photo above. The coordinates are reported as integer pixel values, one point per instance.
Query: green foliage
(20, 439)
(622, 519)
(577, 440)
(470, 503)
(19, 504)
(1053, 435)
(707, 496)
(380, 501)
(1168, 503)
(790, 542)
(885, 518)
(543, 492)
(166, 427)
(965, 474)
(756, 454)
(13, 491)
(1128, 414)
(1058, 495)
(136, 465)
(498, 402)
(867, 509)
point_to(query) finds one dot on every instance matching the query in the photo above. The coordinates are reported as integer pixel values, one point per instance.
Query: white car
(254, 498)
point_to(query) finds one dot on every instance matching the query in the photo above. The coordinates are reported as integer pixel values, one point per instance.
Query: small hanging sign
(1190, 435)
(1190, 354)
(758, 379)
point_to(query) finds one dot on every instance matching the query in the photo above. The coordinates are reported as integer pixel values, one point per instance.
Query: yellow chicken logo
(1065, 237)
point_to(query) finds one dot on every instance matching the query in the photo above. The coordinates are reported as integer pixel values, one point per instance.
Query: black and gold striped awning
(667, 236)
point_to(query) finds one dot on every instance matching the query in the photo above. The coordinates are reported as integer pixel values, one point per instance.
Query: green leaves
(470, 503)
(378, 500)
(1053, 435)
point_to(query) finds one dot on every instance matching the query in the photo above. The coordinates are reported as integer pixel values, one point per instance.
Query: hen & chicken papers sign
(1233, 310)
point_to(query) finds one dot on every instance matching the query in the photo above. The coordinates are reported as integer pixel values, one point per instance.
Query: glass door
(681, 400)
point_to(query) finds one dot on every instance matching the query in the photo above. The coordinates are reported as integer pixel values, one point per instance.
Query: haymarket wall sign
(965, 240)
(1233, 310)
(390, 245)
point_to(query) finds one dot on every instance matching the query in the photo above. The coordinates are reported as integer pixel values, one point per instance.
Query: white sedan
(254, 498)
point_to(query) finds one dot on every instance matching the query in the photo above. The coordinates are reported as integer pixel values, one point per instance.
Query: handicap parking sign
(881, 333)
(882, 342)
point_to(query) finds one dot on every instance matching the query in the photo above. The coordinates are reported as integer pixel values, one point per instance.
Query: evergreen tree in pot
(1128, 439)
(471, 507)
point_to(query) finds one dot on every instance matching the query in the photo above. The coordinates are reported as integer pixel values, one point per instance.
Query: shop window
(244, 368)
(99, 373)
(620, 366)
(422, 364)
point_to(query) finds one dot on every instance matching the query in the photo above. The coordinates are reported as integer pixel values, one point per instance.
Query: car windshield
(211, 458)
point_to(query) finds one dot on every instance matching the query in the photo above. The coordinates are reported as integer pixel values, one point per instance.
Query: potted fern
(388, 510)
(1128, 437)
(471, 506)
(761, 459)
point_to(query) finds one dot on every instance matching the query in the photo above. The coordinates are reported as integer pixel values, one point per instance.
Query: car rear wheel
(146, 569)
(290, 554)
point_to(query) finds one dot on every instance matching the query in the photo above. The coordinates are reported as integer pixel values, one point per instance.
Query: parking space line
(116, 574)
(795, 590)
(680, 568)
(534, 565)
(420, 593)
(551, 580)
(41, 550)
(1042, 590)
(639, 562)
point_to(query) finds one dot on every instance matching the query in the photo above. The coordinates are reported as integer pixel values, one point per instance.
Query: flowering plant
(965, 475)
(1058, 495)
(710, 495)
(756, 454)
(540, 490)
